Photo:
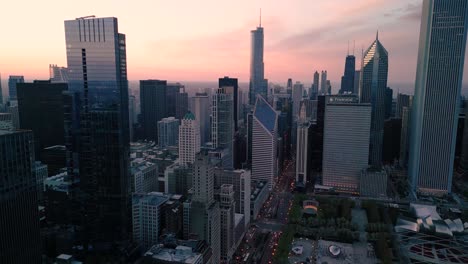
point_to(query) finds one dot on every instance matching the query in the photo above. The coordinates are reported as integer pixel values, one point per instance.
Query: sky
(206, 39)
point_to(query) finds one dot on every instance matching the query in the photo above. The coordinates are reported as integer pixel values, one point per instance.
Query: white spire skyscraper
(258, 84)
(434, 117)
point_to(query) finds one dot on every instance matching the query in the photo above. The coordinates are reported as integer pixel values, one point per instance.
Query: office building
(303, 154)
(97, 80)
(5, 121)
(357, 80)
(347, 81)
(345, 142)
(181, 103)
(388, 102)
(55, 158)
(323, 83)
(226, 206)
(373, 183)
(168, 132)
(374, 75)
(264, 143)
(146, 218)
(435, 108)
(1, 93)
(13, 80)
(297, 94)
(153, 102)
(144, 176)
(391, 141)
(132, 116)
(222, 125)
(405, 136)
(258, 84)
(189, 139)
(200, 107)
(19, 217)
(403, 100)
(37, 100)
(179, 179)
(41, 173)
(315, 86)
(58, 74)
(232, 82)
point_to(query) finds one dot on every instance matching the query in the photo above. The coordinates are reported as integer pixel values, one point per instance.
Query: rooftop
(181, 254)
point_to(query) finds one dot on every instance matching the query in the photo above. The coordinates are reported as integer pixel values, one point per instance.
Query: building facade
(258, 84)
(189, 139)
(200, 107)
(222, 124)
(168, 132)
(153, 102)
(347, 81)
(13, 80)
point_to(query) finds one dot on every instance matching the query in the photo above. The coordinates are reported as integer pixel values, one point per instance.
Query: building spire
(354, 46)
(260, 18)
(377, 36)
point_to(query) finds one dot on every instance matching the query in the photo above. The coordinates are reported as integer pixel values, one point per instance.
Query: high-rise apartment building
(12, 81)
(37, 100)
(264, 142)
(435, 109)
(374, 75)
(19, 218)
(345, 142)
(189, 139)
(97, 64)
(153, 104)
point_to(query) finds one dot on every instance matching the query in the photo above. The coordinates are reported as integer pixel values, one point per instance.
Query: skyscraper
(434, 117)
(303, 151)
(298, 90)
(258, 84)
(58, 74)
(222, 128)
(19, 217)
(189, 139)
(153, 106)
(315, 86)
(347, 81)
(403, 100)
(168, 132)
(323, 83)
(38, 100)
(227, 216)
(357, 81)
(1, 93)
(232, 82)
(374, 75)
(96, 56)
(388, 102)
(12, 81)
(200, 107)
(264, 141)
(181, 103)
(172, 92)
(345, 142)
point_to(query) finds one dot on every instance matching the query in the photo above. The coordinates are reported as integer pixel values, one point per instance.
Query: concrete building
(345, 143)
(200, 107)
(146, 217)
(264, 143)
(189, 139)
(227, 220)
(144, 176)
(373, 183)
(179, 179)
(435, 108)
(168, 132)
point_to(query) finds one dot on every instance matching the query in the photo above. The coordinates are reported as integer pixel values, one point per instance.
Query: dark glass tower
(96, 56)
(38, 100)
(347, 81)
(154, 103)
(19, 217)
(374, 75)
(258, 84)
(226, 81)
(12, 81)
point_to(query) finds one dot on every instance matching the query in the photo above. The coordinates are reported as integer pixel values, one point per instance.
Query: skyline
(299, 38)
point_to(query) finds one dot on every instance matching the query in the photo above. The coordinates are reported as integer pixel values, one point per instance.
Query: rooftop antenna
(354, 46)
(85, 17)
(260, 17)
(377, 36)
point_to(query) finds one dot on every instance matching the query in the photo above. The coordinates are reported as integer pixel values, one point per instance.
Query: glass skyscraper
(12, 81)
(435, 109)
(347, 81)
(258, 84)
(96, 56)
(374, 75)
(222, 128)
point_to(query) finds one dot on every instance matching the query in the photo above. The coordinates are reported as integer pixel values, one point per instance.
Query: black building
(40, 107)
(317, 135)
(226, 81)
(55, 158)
(181, 104)
(391, 140)
(388, 102)
(347, 81)
(154, 101)
(19, 215)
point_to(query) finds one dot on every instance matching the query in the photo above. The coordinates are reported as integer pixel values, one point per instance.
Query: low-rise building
(259, 194)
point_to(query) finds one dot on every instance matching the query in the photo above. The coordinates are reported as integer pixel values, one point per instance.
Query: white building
(302, 154)
(189, 139)
(345, 142)
(146, 217)
(264, 141)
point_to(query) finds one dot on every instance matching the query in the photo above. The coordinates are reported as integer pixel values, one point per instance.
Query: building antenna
(354, 46)
(260, 17)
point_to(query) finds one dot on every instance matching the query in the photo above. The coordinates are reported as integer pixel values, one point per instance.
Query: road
(260, 241)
